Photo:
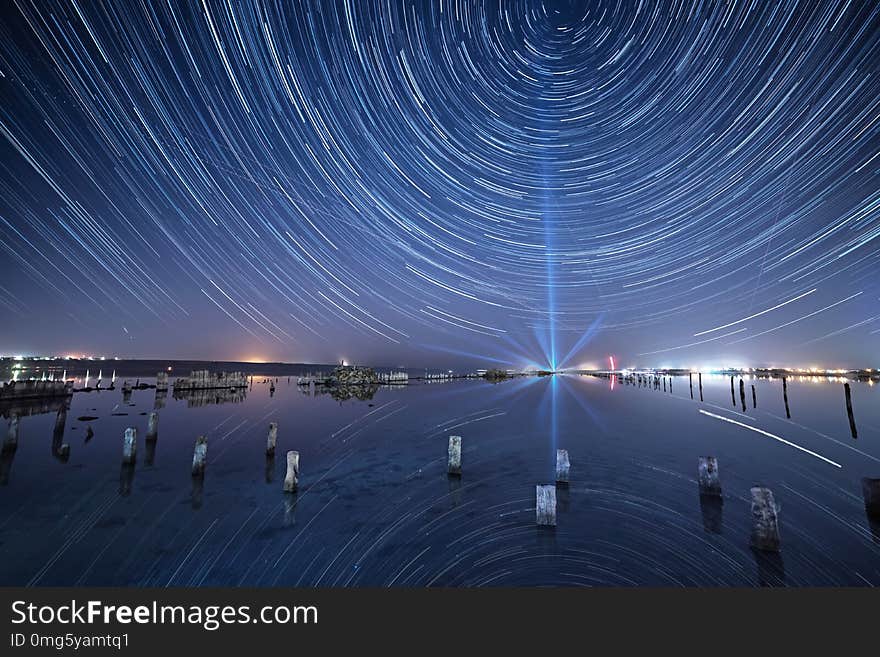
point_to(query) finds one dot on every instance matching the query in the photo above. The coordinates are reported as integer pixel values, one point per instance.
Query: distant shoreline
(180, 367)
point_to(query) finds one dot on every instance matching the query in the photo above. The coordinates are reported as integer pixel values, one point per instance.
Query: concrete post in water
(153, 426)
(200, 456)
(453, 466)
(871, 494)
(700, 378)
(562, 466)
(129, 445)
(545, 506)
(12, 434)
(754, 397)
(291, 480)
(765, 521)
(742, 394)
(785, 397)
(272, 438)
(710, 483)
(849, 411)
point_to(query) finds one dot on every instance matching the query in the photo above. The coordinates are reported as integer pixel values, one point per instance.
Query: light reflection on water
(375, 506)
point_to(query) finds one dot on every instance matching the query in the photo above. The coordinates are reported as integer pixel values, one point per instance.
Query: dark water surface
(375, 506)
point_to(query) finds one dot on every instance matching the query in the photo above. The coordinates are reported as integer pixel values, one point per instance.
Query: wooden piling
(765, 520)
(60, 421)
(871, 495)
(562, 466)
(272, 438)
(200, 456)
(291, 480)
(129, 445)
(785, 397)
(700, 378)
(707, 471)
(849, 411)
(12, 434)
(732, 394)
(545, 505)
(742, 394)
(153, 426)
(453, 465)
(754, 397)
(691, 383)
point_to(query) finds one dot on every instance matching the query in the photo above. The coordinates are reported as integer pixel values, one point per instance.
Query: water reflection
(711, 509)
(196, 397)
(376, 505)
(771, 568)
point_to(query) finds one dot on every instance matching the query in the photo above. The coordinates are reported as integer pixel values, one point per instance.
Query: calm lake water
(375, 506)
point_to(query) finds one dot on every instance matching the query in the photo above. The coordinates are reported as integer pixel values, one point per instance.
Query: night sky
(448, 183)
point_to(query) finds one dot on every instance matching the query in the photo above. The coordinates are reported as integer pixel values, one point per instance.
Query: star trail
(449, 183)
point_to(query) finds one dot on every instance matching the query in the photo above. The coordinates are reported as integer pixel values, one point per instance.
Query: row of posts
(654, 382)
(200, 451)
(765, 512)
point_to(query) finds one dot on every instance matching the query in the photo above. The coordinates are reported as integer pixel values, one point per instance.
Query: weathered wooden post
(664, 384)
(60, 449)
(710, 482)
(453, 465)
(785, 397)
(562, 466)
(871, 494)
(742, 394)
(700, 377)
(732, 394)
(200, 456)
(849, 410)
(765, 521)
(691, 383)
(11, 441)
(291, 480)
(272, 438)
(153, 426)
(60, 422)
(754, 397)
(670, 385)
(545, 505)
(129, 445)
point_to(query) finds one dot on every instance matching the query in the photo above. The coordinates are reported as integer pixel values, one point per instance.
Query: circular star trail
(530, 183)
